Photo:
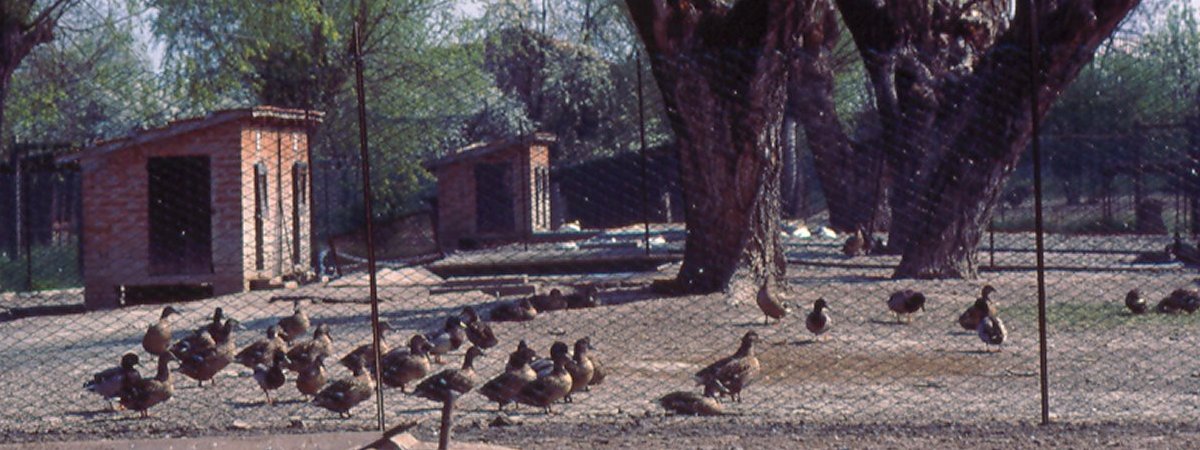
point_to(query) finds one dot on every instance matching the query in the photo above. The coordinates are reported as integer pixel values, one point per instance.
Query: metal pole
(447, 419)
(26, 236)
(1034, 71)
(645, 162)
(367, 200)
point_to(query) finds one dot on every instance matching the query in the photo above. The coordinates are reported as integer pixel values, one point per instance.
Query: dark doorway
(494, 199)
(180, 215)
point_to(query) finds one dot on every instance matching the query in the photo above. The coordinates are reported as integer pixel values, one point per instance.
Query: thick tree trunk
(951, 87)
(987, 125)
(722, 74)
(849, 173)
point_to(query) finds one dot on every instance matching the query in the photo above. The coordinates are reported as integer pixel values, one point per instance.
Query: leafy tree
(24, 25)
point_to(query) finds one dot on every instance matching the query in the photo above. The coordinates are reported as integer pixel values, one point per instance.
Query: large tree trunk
(951, 81)
(849, 173)
(722, 71)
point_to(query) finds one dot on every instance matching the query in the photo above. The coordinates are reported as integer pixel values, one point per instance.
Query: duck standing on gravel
(478, 332)
(448, 339)
(773, 306)
(818, 321)
(552, 387)
(157, 339)
(969, 319)
(344, 394)
(458, 381)
(905, 303)
(516, 375)
(109, 383)
(295, 325)
(262, 351)
(271, 377)
(143, 393)
(991, 331)
(731, 374)
(304, 355)
(402, 366)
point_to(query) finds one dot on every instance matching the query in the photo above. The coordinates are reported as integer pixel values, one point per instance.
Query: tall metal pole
(367, 200)
(1034, 85)
(645, 160)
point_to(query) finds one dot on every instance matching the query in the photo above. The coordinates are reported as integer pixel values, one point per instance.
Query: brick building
(493, 192)
(203, 206)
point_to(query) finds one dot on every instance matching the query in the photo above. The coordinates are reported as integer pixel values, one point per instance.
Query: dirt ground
(1114, 379)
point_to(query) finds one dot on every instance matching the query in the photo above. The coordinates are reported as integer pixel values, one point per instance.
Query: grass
(53, 267)
(1091, 316)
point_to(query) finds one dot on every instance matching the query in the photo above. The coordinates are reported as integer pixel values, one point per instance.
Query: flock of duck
(527, 379)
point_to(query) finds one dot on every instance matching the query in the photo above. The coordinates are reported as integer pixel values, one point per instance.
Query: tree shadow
(889, 322)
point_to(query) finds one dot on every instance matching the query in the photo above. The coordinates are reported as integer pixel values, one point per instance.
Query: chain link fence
(549, 169)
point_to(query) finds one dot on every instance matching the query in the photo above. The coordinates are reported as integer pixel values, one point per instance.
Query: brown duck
(344, 394)
(552, 387)
(691, 404)
(367, 351)
(855, 245)
(157, 339)
(478, 332)
(969, 319)
(581, 368)
(458, 381)
(305, 354)
(262, 350)
(295, 325)
(402, 366)
(521, 310)
(204, 365)
(310, 380)
(772, 306)
(553, 301)
(731, 374)
(143, 393)
(516, 375)
(905, 303)
(448, 339)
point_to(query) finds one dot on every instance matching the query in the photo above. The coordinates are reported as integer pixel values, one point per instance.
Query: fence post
(367, 199)
(1034, 71)
(645, 161)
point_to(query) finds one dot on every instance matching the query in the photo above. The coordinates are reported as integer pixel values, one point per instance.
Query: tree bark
(849, 173)
(987, 125)
(722, 72)
(951, 83)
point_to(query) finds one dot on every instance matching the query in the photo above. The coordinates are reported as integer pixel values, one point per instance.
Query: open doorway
(494, 198)
(180, 215)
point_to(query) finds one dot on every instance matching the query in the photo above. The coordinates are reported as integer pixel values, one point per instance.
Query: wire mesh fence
(671, 208)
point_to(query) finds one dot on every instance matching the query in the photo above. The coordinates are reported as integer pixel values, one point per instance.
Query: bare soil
(1114, 378)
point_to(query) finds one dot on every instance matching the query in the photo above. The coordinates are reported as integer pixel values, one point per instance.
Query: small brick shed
(493, 192)
(207, 205)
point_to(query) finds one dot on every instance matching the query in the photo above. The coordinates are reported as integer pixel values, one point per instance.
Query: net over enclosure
(783, 210)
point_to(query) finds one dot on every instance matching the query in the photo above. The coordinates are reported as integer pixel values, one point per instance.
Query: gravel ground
(1131, 379)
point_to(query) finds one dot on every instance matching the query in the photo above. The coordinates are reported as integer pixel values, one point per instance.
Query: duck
(143, 393)
(109, 383)
(204, 365)
(855, 244)
(553, 301)
(294, 326)
(731, 374)
(201, 340)
(1135, 302)
(583, 298)
(690, 403)
(402, 366)
(270, 376)
(312, 378)
(262, 350)
(551, 387)
(516, 375)
(772, 306)
(478, 332)
(991, 331)
(983, 306)
(818, 321)
(214, 326)
(521, 310)
(598, 375)
(1187, 300)
(440, 386)
(367, 351)
(905, 303)
(582, 369)
(344, 394)
(157, 339)
(1183, 252)
(450, 338)
(305, 354)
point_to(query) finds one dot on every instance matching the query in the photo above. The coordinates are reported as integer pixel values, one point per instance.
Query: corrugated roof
(480, 149)
(183, 126)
